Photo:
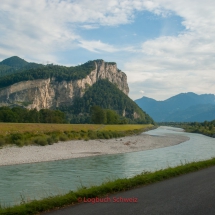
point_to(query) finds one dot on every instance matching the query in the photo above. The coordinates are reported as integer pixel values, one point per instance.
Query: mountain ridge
(54, 86)
(14, 65)
(49, 86)
(14, 61)
(176, 108)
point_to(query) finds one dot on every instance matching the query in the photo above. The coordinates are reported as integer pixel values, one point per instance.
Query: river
(26, 182)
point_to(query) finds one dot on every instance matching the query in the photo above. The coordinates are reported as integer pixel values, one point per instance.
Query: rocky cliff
(50, 93)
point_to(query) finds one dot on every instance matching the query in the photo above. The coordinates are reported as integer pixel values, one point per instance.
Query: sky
(165, 47)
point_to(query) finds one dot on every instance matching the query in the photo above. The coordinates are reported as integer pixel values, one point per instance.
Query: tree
(98, 115)
(112, 117)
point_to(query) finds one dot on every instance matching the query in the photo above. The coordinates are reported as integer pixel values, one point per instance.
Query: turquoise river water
(39, 180)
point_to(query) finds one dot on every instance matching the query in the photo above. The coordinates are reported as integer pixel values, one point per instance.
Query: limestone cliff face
(49, 93)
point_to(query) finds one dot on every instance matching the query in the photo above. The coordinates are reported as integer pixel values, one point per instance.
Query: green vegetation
(107, 96)
(52, 202)
(49, 71)
(14, 62)
(102, 93)
(47, 134)
(14, 65)
(106, 116)
(206, 128)
(18, 114)
(6, 128)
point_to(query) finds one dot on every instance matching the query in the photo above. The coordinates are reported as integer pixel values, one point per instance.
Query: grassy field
(37, 206)
(6, 128)
(124, 127)
(22, 134)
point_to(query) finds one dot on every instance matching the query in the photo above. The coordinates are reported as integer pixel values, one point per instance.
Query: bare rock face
(49, 93)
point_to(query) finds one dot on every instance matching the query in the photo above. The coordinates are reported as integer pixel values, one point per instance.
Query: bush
(55, 138)
(50, 140)
(106, 135)
(100, 135)
(92, 135)
(63, 137)
(42, 141)
(111, 134)
(82, 134)
(15, 137)
(2, 141)
(20, 143)
(71, 136)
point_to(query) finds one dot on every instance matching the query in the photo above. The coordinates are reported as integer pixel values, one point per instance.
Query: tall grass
(22, 134)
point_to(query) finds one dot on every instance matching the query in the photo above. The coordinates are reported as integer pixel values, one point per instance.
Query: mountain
(60, 87)
(14, 62)
(106, 95)
(14, 65)
(184, 107)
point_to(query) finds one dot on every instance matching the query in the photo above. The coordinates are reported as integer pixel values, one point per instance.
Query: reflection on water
(40, 180)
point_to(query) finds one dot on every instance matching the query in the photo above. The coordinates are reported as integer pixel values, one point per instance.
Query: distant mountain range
(184, 107)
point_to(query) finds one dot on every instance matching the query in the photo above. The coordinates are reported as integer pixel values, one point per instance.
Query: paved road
(191, 194)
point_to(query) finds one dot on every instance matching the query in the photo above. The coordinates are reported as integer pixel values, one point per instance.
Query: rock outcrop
(49, 93)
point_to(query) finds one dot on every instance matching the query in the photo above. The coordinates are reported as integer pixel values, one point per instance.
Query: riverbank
(10, 155)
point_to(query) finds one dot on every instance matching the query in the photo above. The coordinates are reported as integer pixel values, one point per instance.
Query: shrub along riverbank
(37, 206)
(205, 128)
(47, 134)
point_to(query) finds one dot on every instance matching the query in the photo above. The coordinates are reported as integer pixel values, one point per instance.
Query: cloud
(37, 29)
(89, 27)
(96, 46)
(34, 28)
(182, 63)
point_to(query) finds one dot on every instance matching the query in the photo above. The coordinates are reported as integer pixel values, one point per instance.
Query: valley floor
(10, 155)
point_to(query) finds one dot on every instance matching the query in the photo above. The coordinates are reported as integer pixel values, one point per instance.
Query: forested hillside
(108, 96)
(43, 72)
(106, 88)
(14, 65)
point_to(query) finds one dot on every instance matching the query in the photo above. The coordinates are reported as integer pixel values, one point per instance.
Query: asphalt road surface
(190, 194)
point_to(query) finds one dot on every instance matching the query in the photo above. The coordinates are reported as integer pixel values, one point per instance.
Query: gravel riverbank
(10, 155)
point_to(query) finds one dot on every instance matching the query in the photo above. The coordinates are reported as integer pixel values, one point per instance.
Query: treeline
(22, 115)
(106, 116)
(107, 96)
(207, 128)
(173, 124)
(60, 73)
